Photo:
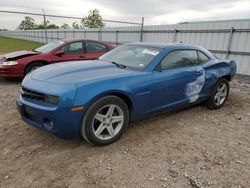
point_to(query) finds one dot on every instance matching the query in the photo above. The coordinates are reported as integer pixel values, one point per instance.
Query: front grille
(32, 95)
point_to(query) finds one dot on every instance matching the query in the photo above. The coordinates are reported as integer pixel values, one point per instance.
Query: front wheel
(105, 121)
(33, 66)
(219, 94)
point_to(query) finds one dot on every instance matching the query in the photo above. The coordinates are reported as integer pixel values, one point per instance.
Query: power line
(70, 17)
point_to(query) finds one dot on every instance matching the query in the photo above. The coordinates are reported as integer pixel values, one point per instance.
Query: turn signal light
(77, 108)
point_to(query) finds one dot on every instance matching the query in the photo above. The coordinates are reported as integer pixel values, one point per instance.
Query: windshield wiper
(119, 65)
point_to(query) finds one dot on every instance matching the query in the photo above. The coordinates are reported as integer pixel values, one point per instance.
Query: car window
(180, 58)
(203, 57)
(73, 48)
(94, 47)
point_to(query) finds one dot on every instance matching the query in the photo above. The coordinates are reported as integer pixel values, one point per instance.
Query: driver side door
(70, 52)
(178, 81)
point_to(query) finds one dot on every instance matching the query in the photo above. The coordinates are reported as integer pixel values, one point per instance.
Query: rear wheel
(219, 94)
(33, 66)
(105, 121)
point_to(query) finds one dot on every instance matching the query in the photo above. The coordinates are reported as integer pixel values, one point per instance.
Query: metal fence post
(142, 27)
(73, 34)
(116, 37)
(85, 34)
(65, 34)
(100, 33)
(229, 42)
(45, 26)
(175, 35)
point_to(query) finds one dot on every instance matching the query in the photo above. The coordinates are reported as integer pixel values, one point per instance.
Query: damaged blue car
(97, 99)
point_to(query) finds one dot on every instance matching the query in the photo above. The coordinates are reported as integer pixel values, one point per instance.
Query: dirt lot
(195, 147)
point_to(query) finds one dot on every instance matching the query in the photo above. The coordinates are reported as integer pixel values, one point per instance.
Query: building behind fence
(226, 39)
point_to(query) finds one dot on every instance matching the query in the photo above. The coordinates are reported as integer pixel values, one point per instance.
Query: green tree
(75, 25)
(52, 26)
(3, 29)
(93, 20)
(27, 24)
(65, 26)
(48, 25)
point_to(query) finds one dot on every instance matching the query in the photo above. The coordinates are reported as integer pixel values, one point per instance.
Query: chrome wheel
(107, 122)
(221, 94)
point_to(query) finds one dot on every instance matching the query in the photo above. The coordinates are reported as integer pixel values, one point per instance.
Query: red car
(18, 64)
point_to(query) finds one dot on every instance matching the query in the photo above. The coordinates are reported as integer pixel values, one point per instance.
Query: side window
(203, 57)
(73, 48)
(94, 47)
(180, 58)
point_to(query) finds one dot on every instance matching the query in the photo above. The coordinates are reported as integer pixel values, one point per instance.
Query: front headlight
(51, 99)
(10, 63)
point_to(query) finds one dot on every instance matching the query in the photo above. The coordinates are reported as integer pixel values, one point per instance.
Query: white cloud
(154, 11)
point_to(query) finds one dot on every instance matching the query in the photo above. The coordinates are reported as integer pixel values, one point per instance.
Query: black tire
(88, 123)
(32, 66)
(212, 103)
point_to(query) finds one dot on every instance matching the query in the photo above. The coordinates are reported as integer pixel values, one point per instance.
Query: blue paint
(149, 91)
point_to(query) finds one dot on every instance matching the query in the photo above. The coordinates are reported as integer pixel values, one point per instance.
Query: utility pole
(45, 26)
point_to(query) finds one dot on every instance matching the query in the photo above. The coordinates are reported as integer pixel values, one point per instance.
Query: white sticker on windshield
(141, 65)
(150, 52)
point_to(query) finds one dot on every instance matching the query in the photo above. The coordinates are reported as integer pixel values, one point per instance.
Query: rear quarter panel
(217, 69)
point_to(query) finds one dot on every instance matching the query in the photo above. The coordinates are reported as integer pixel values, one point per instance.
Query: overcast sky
(154, 11)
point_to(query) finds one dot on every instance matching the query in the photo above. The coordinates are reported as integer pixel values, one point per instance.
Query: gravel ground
(195, 147)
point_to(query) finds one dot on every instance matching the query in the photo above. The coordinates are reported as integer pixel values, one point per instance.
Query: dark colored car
(97, 99)
(18, 64)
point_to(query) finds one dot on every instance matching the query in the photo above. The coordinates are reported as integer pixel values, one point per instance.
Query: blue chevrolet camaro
(97, 99)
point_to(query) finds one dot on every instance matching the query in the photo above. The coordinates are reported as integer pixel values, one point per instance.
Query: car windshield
(133, 56)
(49, 47)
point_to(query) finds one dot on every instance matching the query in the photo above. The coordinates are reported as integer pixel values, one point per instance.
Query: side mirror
(158, 68)
(59, 53)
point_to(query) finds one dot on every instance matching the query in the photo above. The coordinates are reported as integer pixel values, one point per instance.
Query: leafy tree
(52, 26)
(93, 20)
(27, 24)
(65, 26)
(41, 26)
(3, 29)
(75, 25)
(48, 25)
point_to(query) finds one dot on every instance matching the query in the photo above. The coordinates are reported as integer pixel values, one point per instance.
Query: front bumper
(66, 123)
(10, 72)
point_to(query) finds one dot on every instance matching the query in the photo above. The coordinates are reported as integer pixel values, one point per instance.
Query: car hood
(79, 71)
(16, 55)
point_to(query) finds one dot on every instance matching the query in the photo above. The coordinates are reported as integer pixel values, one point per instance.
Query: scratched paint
(194, 88)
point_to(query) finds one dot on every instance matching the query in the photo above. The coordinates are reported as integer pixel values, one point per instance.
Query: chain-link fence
(226, 39)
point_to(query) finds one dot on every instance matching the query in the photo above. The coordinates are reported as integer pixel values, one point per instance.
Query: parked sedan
(18, 64)
(97, 99)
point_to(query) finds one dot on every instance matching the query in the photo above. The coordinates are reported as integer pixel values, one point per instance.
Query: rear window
(203, 57)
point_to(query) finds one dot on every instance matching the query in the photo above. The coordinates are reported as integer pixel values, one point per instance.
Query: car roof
(165, 45)
(78, 39)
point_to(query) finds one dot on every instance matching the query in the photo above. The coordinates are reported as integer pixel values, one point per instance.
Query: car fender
(85, 99)
(137, 90)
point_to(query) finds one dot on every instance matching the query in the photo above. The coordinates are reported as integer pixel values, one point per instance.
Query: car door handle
(199, 72)
(82, 56)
